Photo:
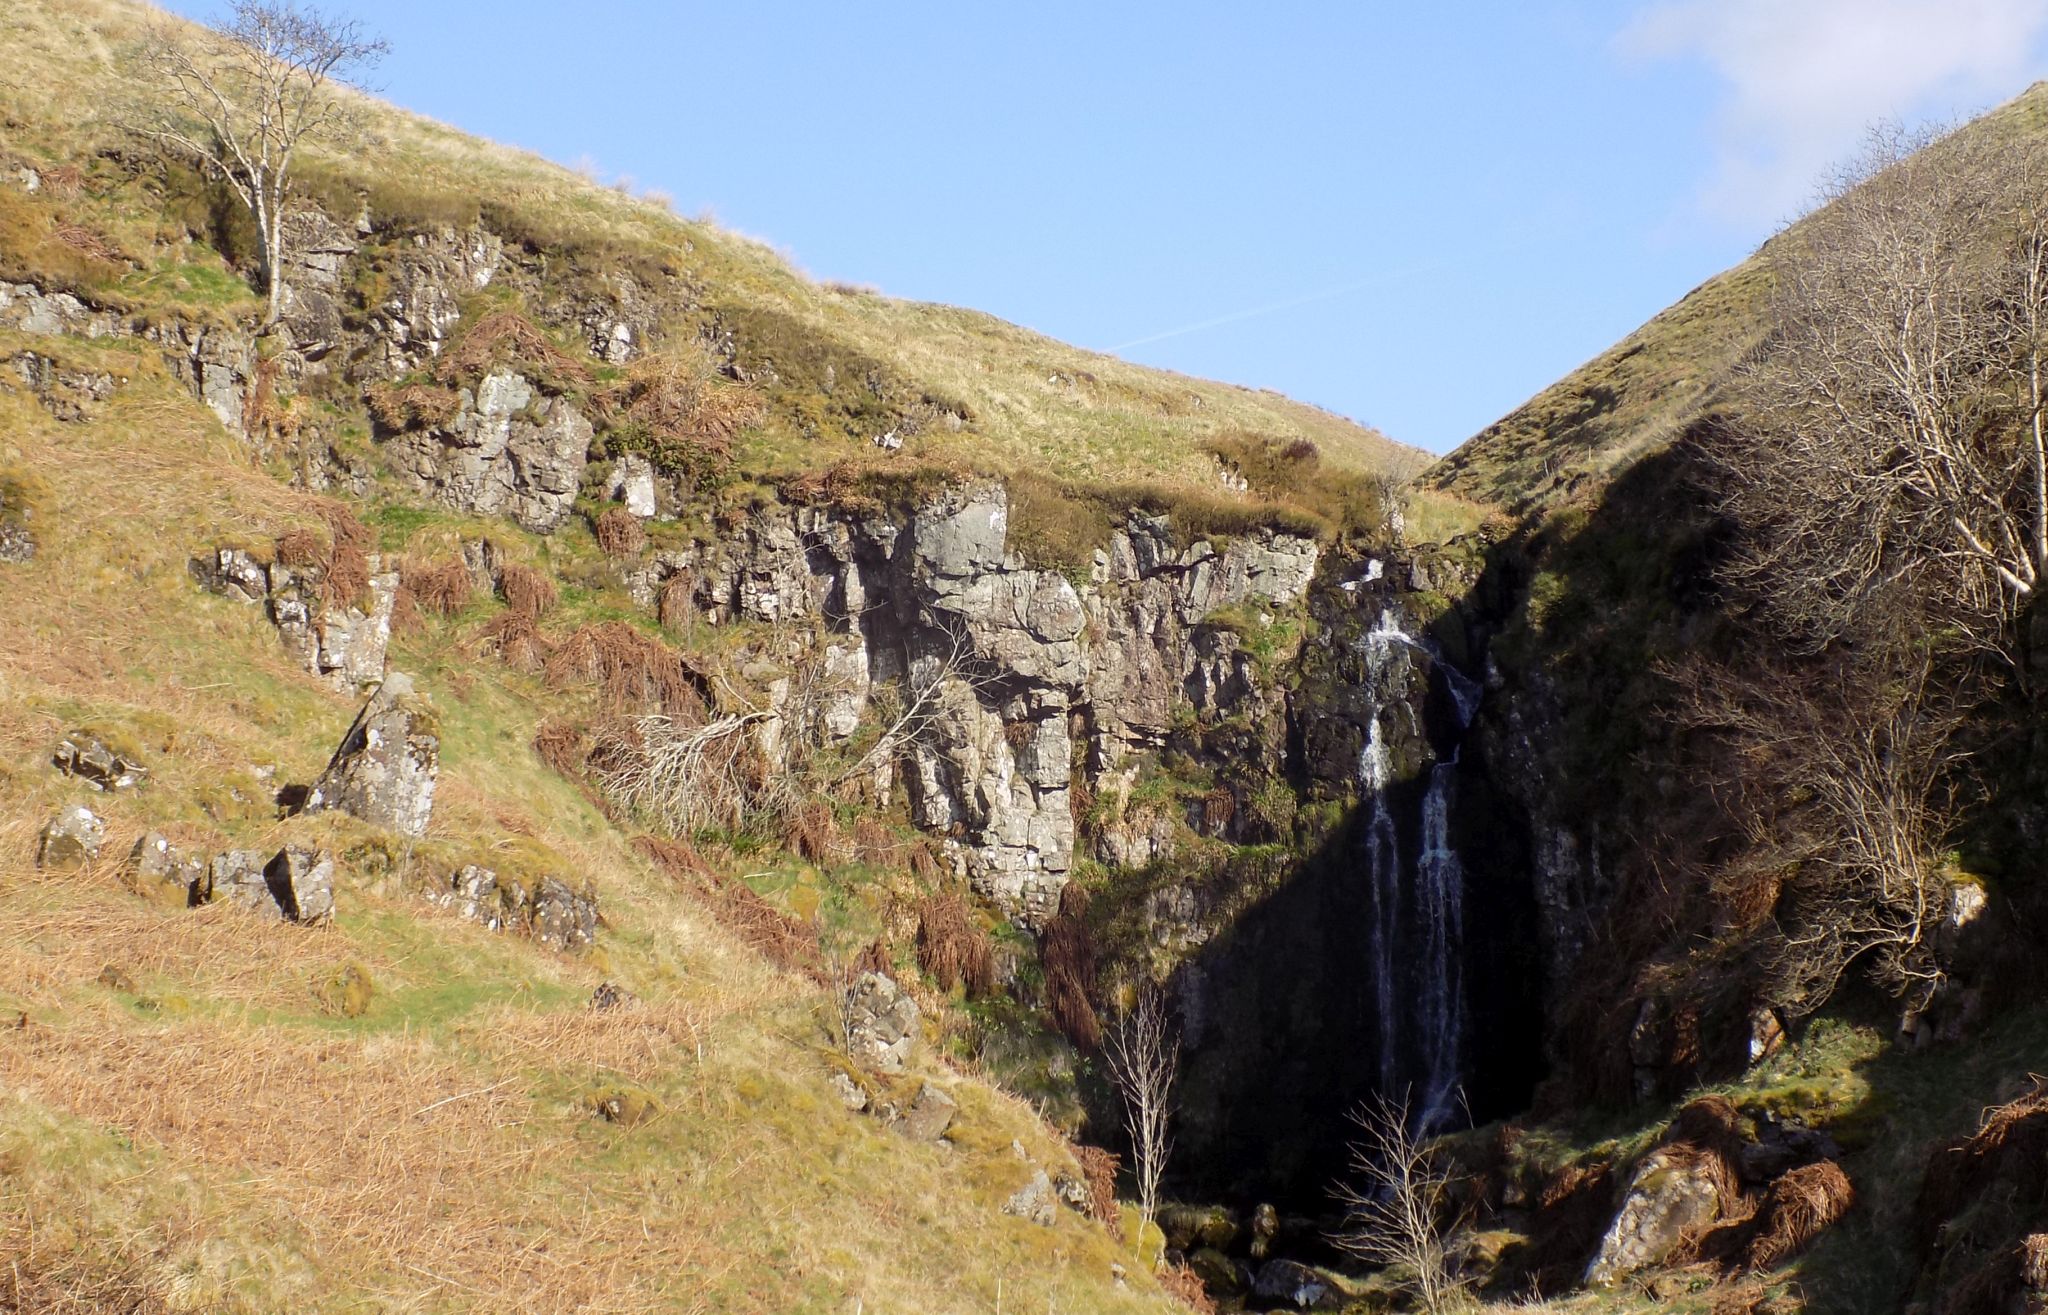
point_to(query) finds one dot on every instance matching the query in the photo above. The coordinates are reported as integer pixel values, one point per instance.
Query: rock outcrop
(385, 768)
(1024, 677)
(89, 759)
(294, 884)
(343, 643)
(550, 910)
(882, 1023)
(71, 839)
(511, 451)
(161, 866)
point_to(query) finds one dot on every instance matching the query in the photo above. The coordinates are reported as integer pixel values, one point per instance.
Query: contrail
(1272, 308)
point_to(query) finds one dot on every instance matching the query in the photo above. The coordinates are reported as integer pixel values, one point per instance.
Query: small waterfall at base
(1417, 932)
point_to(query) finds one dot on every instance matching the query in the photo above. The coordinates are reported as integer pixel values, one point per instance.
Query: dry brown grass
(951, 949)
(516, 639)
(619, 534)
(416, 1164)
(1067, 949)
(631, 669)
(674, 406)
(563, 746)
(1099, 1170)
(1799, 1206)
(399, 407)
(775, 935)
(811, 831)
(676, 605)
(508, 338)
(1185, 1286)
(526, 590)
(432, 588)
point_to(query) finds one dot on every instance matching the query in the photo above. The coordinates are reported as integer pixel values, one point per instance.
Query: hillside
(529, 1041)
(1025, 400)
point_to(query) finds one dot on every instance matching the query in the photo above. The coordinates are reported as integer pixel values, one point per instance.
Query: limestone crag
(510, 451)
(1025, 678)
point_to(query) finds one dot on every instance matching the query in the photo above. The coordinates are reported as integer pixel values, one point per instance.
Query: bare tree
(1843, 779)
(243, 100)
(1891, 428)
(1143, 1054)
(1399, 1209)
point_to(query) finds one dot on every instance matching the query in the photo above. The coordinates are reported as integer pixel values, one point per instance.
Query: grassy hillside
(1030, 402)
(191, 1116)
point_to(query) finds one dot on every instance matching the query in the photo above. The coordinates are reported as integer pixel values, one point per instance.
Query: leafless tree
(1891, 428)
(1842, 776)
(243, 100)
(1143, 1054)
(1399, 1209)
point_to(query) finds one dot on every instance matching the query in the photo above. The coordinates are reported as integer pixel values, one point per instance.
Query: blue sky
(1413, 214)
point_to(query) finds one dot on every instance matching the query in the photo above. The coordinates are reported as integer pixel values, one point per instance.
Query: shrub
(400, 407)
(526, 590)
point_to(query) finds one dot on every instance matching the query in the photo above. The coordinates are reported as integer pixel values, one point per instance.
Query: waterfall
(1383, 872)
(1416, 933)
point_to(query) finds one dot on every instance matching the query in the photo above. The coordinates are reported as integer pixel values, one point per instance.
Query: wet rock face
(385, 770)
(882, 1023)
(510, 451)
(71, 840)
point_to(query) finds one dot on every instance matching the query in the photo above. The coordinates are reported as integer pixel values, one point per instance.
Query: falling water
(1425, 950)
(1383, 866)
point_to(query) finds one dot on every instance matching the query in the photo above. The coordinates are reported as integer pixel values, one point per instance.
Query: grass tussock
(1185, 1286)
(398, 407)
(526, 590)
(951, 949)
(631, 669)
(676, 410)
(507, 339)
(619, 534)
(1067, 949)
(1799, 1206)
(675, 607)
(430, 588)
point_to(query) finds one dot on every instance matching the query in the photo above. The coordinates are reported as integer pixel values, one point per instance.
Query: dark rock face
(385, 770)
(1290, 1285)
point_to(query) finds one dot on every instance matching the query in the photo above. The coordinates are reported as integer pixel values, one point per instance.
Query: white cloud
(1804, 78)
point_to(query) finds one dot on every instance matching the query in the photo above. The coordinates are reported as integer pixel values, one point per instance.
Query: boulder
(1221, 1276)
(1691, 1179)
(1034, 1202)
(294, 884)
(563, 919)
(1291, 1285)
(385, 769)
(72, 839)
(162, 867)
(929, 1115)
(236, 877)
(849, 1092)
(882, 1023)
(631, 483)
(474, 893)
(90, 760)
